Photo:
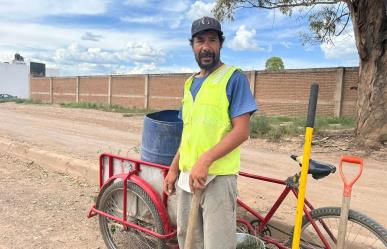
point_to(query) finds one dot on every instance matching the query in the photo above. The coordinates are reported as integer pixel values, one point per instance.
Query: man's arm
(239, 133)
(170, 179)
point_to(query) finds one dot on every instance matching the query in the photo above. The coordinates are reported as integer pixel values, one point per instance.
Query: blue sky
(88, 37)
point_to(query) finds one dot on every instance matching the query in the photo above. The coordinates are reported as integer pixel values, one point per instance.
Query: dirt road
(44, 209)
(48, 174)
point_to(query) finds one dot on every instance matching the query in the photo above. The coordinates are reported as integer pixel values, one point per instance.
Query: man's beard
(212, 65)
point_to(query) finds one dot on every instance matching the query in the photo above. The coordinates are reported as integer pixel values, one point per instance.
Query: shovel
(193, 217)
(346, 197)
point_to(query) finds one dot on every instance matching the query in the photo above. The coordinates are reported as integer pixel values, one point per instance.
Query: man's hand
(169, 182)
(199, 173)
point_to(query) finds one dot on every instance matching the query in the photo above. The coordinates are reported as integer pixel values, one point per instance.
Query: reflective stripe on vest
(206, 121)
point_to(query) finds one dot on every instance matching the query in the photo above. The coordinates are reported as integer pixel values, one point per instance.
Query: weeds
(276, 128)
(127, 111)
(21, 101)
(272, 128)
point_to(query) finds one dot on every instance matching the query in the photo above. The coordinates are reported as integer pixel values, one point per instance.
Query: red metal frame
(162, 202)
(264, 220)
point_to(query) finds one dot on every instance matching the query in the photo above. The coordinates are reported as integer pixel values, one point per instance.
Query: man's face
(206, 47)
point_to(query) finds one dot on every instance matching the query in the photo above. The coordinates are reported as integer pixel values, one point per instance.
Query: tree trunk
(369, 21)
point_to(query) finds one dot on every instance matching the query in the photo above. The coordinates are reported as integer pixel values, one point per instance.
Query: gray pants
(216, 225)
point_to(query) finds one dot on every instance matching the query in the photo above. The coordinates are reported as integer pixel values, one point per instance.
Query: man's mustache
(206, 54)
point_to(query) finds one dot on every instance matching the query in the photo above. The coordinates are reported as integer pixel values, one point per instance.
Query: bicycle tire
(140, 210)
(362, 231)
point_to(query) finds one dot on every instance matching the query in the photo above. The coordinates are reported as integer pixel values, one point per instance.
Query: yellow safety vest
(206, 121)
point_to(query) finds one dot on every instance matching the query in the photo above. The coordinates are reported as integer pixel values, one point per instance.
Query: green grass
(7, 100)
(277, 127)
(127, 111)
(29, 101)
(10, 100)
(21, 101)
(273, 128)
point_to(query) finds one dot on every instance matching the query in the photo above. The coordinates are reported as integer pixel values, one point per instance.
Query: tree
(369, 21)
(274, 63)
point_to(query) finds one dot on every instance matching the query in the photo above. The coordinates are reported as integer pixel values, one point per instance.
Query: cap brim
(199, 31)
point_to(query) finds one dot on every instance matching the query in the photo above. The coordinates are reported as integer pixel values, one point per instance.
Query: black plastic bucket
(161, 136)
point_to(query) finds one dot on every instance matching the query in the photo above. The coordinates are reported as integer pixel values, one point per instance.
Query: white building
(14, 78)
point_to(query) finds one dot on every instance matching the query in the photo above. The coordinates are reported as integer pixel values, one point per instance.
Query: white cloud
(142, 52)
(142, 19)
(343, 47)
(36, 36)
(19, 9)
(135, 2)
(174, 6)
(244, 40)
(25, 37)
(142, 68)
(88, 36)
(75, 54)
(200, 9)
(287, 44)
(172, 22)
(133, 53)
(275, 17)
(162, 5)
(299, 63)
(6, 56)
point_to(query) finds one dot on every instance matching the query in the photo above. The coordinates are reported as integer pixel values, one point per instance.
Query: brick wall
(277, 93)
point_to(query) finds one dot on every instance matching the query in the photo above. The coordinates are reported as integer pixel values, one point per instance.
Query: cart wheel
(243, 228)
(140, 210)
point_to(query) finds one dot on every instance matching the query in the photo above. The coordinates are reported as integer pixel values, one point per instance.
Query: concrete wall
(277, 93)
(14, 79)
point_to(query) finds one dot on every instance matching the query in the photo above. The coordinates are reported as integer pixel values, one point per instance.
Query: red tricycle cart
(134, 212)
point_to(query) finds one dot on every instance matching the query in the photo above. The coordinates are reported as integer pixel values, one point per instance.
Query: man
(216, 110)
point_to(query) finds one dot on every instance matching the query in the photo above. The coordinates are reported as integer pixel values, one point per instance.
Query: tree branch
(286, 5)
(345, 25)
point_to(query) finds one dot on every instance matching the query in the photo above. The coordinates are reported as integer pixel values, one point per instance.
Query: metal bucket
(247, 241)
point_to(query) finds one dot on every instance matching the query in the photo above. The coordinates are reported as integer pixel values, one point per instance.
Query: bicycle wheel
(362, 232)
(140, 210)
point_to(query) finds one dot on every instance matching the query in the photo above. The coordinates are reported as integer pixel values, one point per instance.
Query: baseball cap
(205, 23)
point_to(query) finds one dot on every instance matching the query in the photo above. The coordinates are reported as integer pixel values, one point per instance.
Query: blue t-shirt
(238, 93)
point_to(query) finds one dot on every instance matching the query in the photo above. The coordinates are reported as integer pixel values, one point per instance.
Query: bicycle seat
(317, 169)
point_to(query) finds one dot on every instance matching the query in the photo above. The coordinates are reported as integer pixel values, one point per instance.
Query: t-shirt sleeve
(239, 95)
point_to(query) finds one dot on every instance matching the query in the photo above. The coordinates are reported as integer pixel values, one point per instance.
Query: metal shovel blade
(247, 241)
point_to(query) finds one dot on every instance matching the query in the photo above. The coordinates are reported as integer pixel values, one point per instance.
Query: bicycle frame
(264, 220)
(161, 200)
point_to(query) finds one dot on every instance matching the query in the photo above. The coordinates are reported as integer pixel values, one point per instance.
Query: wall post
(110, 90)
(252, 82)
(146, 92)
(77, 90)
(51, 91)
(338, 95)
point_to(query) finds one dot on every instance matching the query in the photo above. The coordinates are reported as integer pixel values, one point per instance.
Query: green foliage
(24, 101)
(127, 111)
(7, 100)
(277, 127)
(325, 22)
(274, 63)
